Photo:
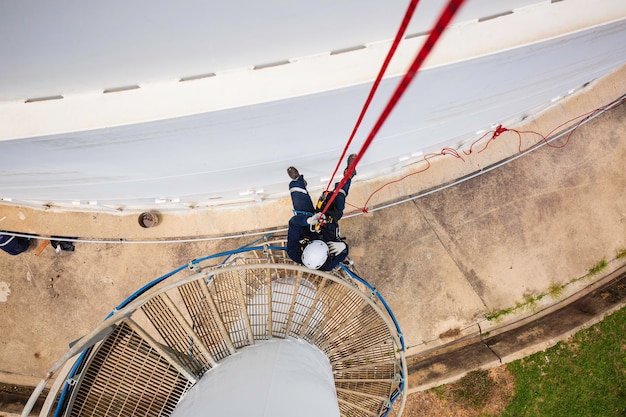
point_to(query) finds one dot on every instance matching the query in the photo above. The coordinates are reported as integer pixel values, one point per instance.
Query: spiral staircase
(149, 352)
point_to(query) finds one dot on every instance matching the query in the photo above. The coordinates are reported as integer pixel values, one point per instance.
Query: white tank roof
(277, 378)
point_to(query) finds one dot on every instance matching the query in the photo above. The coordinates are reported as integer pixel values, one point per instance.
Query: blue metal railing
(395, 395)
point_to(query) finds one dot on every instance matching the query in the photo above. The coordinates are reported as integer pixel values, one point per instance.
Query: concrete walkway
(506, 244)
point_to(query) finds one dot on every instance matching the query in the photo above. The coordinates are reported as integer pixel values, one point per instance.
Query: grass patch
(530, 302)
(478, 394)
(583, 376)
(440, 391)
(495, 315)
(555, 290)
(621, 253)
(473, 390)
(598, 267)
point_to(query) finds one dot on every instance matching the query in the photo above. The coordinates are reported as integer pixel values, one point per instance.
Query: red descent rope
(383, 69)
(445, 18)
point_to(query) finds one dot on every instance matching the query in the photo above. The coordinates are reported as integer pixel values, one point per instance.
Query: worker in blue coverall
(311, 242)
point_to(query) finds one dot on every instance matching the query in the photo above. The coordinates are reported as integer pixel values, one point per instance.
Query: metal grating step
(228, 296)
(129, 376)
(206, 320)
(348, 408)
(380, 370)
(178, 334)
(378, 390)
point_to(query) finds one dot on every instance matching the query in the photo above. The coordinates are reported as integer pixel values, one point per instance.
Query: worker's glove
(315, 219)
(336, 247)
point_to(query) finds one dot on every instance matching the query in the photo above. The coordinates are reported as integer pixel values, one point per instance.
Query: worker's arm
(297, 224)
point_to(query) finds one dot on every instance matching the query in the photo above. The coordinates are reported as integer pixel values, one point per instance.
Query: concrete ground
(492, 244)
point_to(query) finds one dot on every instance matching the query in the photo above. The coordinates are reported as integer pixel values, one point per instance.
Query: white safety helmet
(315, 254)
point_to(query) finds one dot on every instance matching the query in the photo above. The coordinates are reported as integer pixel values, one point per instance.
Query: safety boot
(351, 159)
(293, 173)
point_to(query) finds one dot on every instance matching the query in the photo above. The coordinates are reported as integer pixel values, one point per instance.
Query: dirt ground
(441, 402)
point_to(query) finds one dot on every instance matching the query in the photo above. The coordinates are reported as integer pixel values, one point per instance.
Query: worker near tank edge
(314, 239)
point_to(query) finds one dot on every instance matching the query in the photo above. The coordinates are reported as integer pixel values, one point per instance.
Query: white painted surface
(72, 46)
(277, 378)
(230, 137)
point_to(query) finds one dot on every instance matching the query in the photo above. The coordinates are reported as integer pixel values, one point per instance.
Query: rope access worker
(313, 239)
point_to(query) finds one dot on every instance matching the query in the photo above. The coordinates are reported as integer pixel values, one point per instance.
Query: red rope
(444, 152)
(445, 18)
(499, 130)
(405, 23)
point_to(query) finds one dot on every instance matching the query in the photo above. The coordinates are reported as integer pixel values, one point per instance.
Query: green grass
(530, 301)
(473, 390)
(584, 376)
(556, 290)
(621, 253)
(495, 315)
(598, 267)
